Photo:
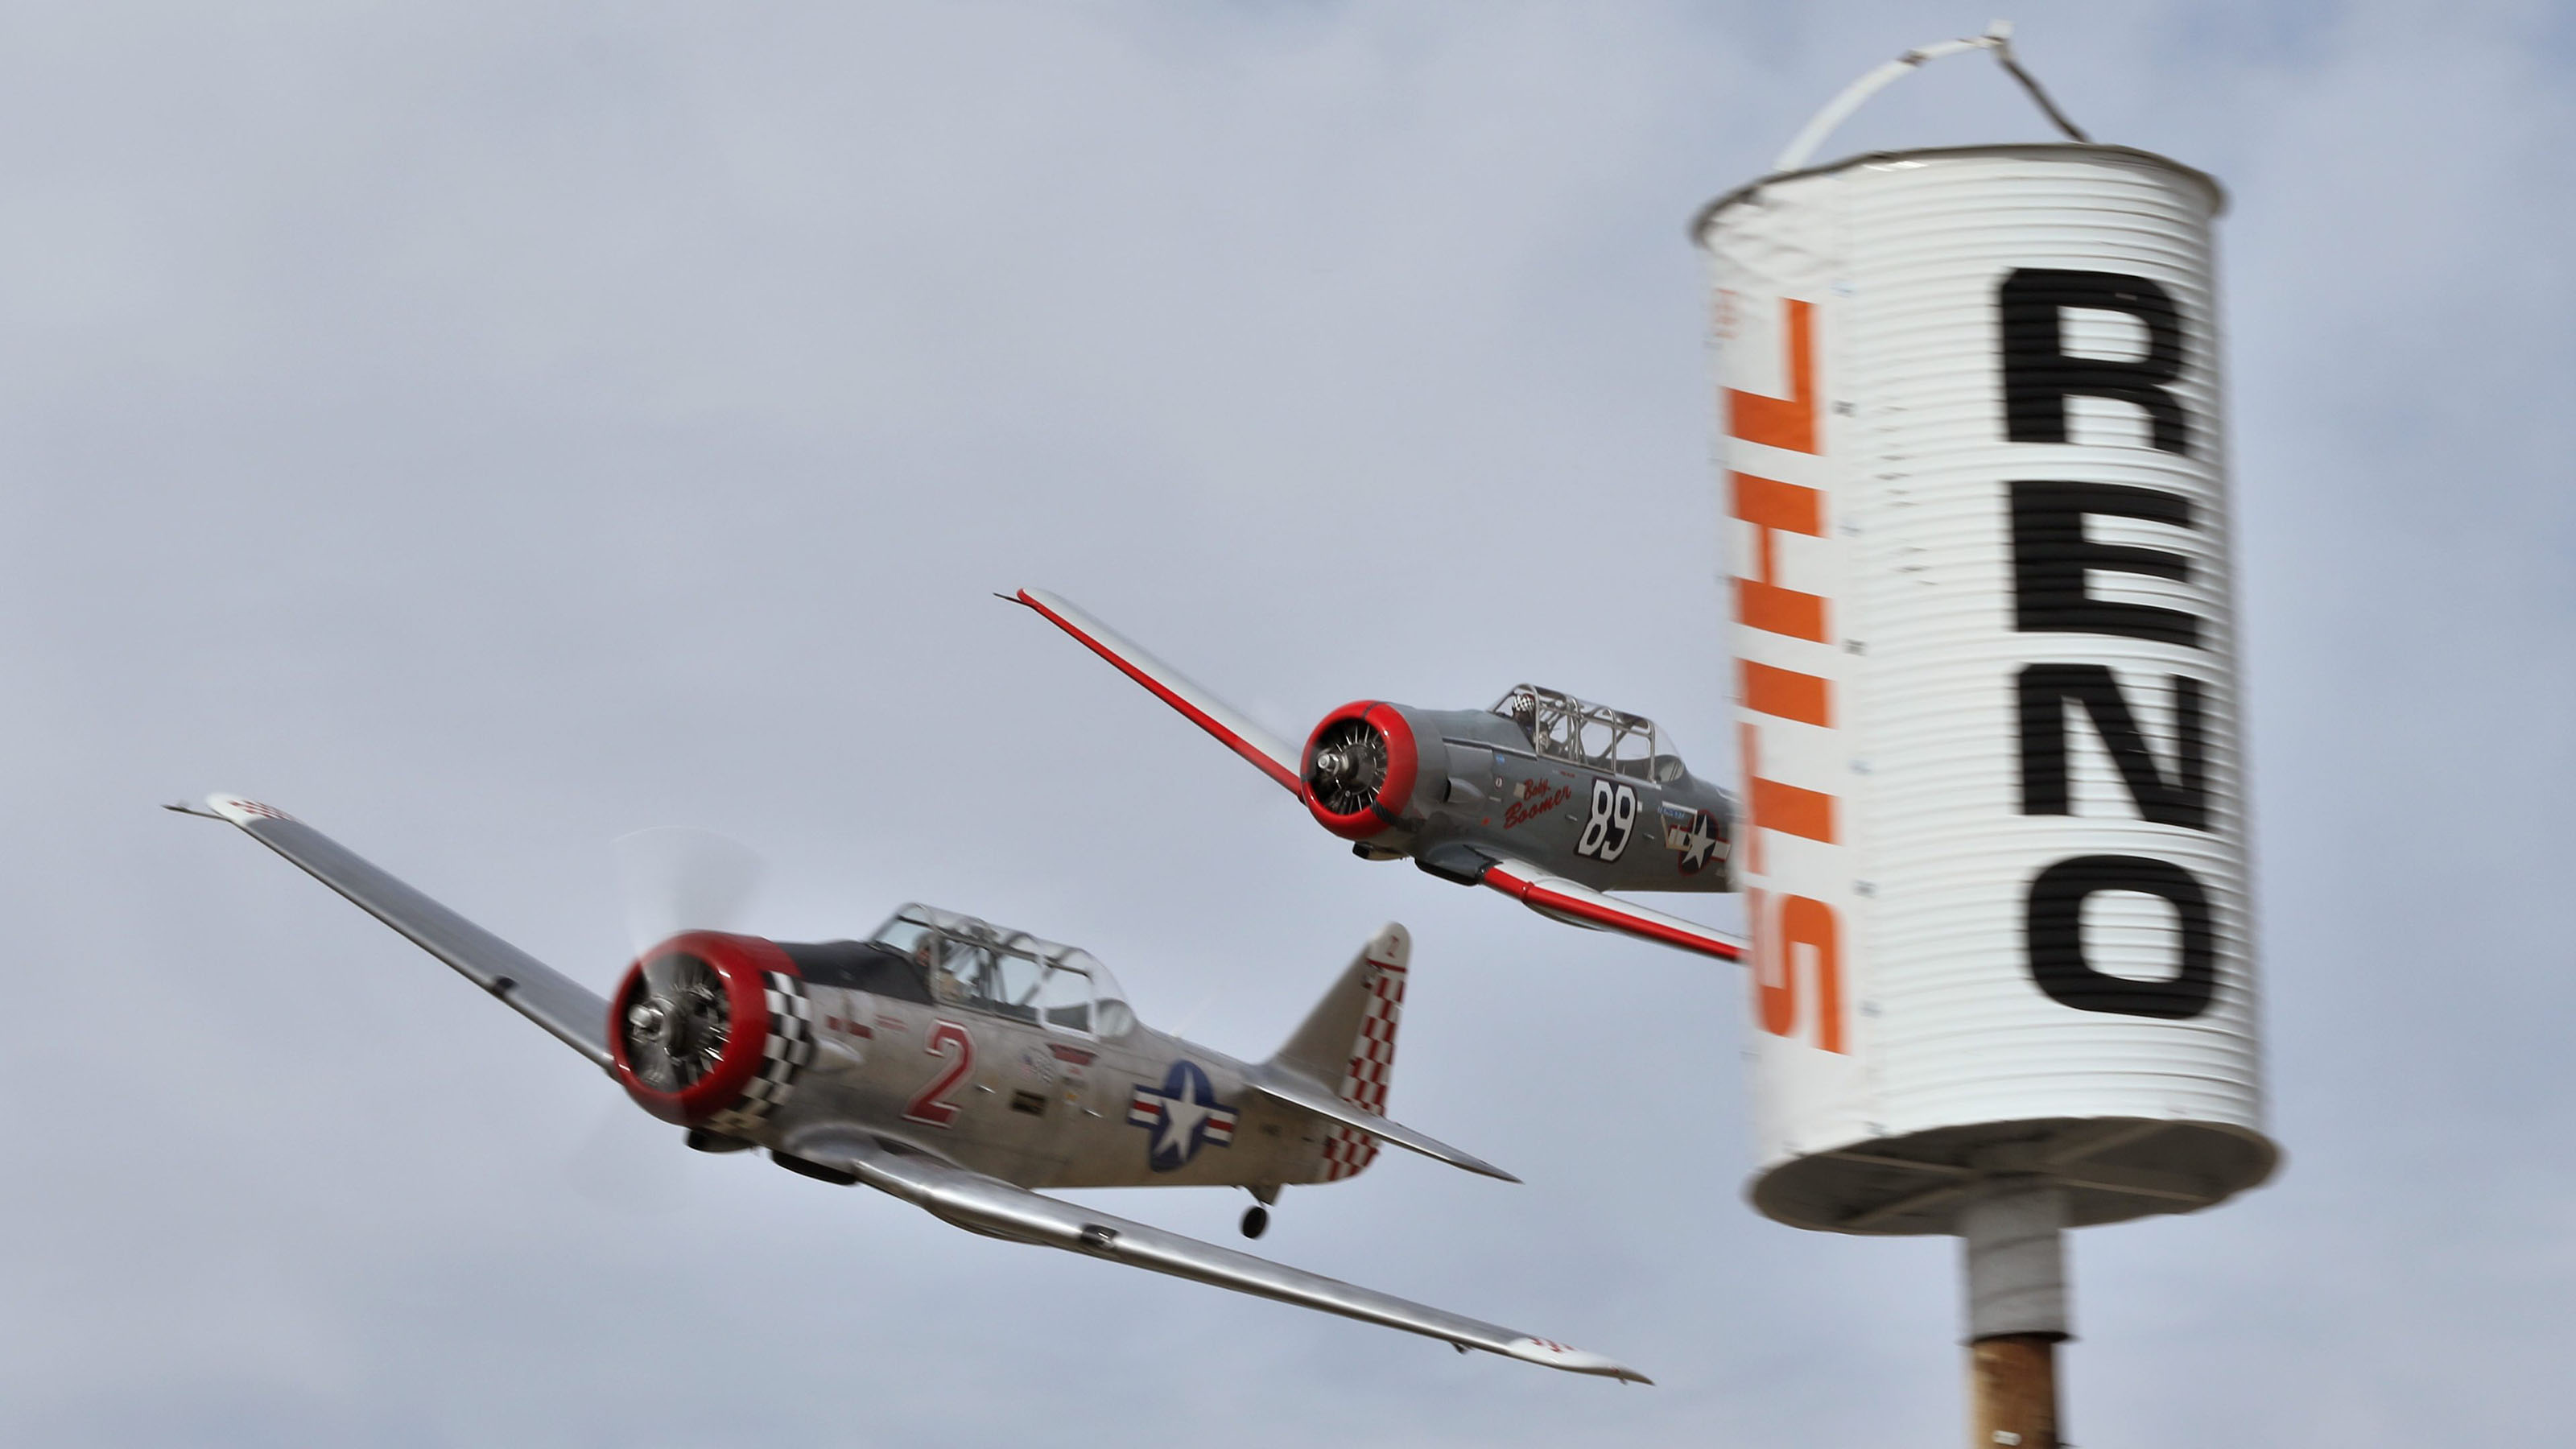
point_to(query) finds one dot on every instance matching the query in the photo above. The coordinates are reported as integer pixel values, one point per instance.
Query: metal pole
(2014, 1247)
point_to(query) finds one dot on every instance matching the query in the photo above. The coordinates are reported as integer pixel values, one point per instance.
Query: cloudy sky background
(483, 429)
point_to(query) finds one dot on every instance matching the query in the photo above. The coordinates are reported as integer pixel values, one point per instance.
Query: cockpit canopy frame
(1579, 732)
(977, 965)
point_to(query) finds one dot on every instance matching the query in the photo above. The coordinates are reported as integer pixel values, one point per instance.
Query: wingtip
(238, 810)
(1551, 1354)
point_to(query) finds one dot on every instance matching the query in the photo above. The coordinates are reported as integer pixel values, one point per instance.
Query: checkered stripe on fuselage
(1347, 1150)
(783, 1056)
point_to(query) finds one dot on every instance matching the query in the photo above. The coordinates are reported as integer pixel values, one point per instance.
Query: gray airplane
(1544, 797)
(957, 1065)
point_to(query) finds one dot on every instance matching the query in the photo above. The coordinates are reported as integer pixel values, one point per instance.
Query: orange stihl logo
(1783, 422)
(1795, 938)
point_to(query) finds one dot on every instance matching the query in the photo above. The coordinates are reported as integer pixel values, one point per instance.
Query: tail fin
(1349, 1040)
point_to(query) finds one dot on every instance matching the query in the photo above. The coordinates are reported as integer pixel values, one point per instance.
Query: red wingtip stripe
(1530, 892)
(1268, 766)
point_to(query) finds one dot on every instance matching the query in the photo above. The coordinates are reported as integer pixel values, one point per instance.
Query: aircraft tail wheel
(1256, 1220)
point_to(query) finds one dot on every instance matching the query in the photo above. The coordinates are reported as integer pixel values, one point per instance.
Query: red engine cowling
(1360, 767)
(711, 1030)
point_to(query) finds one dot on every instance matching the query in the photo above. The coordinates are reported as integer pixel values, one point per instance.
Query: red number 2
(927, 1106)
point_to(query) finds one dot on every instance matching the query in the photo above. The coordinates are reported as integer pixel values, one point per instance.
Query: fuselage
(1036, 1097)
(1642, 824)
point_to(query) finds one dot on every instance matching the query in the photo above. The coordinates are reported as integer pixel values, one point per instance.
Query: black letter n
(2045, 689)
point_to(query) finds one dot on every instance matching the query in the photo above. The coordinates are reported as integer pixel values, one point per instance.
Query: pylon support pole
(2013, 1247)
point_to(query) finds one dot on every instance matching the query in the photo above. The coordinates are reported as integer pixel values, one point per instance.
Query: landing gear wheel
(1256, 1220)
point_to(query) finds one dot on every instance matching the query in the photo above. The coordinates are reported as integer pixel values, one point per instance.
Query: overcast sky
(483, 429)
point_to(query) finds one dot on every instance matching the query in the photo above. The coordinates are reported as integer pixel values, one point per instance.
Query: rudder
(1348, 1040)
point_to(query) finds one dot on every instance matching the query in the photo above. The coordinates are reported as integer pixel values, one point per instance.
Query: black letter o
(2054, 924)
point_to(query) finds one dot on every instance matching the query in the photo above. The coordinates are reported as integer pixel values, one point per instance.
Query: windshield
(982, 967)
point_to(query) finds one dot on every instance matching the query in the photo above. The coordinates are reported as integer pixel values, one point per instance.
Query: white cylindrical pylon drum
(1995, 847)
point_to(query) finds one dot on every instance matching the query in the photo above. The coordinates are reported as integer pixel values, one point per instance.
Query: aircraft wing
(571, 1011)
(997, 1209)
(1583, 906)
(1307, 1095)
(1271, 755)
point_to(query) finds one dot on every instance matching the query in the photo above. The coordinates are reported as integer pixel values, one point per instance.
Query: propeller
(675, 880)
(1350, 765)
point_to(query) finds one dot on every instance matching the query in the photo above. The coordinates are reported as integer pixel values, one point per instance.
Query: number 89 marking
(1614, 819)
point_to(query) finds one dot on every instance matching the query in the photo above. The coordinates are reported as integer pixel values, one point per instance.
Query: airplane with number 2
(958, 1066)
(1546, 798)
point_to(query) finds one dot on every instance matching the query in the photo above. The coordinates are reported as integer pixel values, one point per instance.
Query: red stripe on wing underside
(1531, 892)
(1286, 777)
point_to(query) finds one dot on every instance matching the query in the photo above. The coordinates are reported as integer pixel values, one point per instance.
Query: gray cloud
(484, 429)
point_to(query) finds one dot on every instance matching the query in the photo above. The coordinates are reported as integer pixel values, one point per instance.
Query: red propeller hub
(1359, 769)
(691, 1029)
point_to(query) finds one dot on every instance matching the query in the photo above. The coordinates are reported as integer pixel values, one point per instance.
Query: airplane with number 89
(1547, 798)
(957, 1066)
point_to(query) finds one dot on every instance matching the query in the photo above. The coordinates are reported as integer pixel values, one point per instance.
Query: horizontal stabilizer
(563, 1006)
(1307, 1095)
(995, 1208)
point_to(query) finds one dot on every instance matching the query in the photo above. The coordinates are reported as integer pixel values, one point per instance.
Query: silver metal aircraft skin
(957, 1066)
(1547, 798)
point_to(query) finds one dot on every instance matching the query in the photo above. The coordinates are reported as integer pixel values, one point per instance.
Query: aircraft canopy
(983, 967)
(1562, 727)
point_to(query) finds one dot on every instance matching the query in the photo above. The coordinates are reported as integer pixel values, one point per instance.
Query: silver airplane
(957, 1065)
(1551, 800)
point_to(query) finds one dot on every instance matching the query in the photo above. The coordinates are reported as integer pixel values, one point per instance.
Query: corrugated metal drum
(1975, 487)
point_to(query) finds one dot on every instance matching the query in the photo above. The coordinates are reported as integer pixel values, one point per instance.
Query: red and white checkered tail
(1348, 1043)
